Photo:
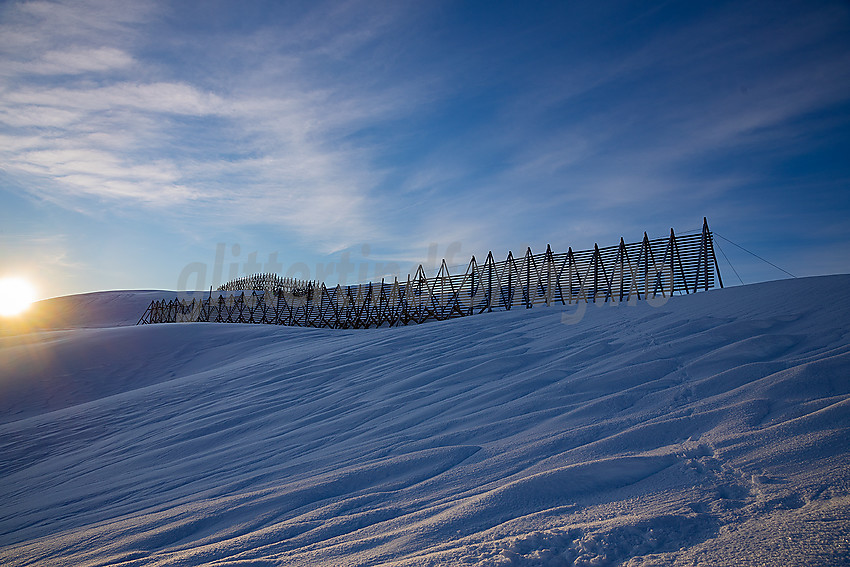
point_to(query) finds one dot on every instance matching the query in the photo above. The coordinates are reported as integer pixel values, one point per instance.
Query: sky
(175, 145)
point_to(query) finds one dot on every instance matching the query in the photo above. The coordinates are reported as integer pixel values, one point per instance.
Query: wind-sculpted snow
(712, 430)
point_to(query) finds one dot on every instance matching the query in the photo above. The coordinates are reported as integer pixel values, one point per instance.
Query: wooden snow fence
(625, 272)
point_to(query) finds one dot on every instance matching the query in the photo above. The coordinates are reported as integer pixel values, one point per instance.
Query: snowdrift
(712, 430)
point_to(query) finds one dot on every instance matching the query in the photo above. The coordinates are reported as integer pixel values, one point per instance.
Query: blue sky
(155, 145)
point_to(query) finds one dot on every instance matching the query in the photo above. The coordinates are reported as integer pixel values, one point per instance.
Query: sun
(16, 295)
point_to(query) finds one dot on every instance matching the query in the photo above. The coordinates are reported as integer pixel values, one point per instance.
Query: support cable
(727, 260)
(756, 255)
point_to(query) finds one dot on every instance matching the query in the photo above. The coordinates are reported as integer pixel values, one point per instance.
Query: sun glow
(16, 295)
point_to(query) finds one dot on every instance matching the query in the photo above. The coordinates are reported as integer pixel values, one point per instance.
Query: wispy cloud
(80, 60)
(615, 135)
(99, 123)
(169, 98)
(339, 123)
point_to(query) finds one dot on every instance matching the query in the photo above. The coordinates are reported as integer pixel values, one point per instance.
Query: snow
(711, 430)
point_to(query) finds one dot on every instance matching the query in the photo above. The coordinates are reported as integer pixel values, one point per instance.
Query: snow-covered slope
(98, 309)
(713, 430)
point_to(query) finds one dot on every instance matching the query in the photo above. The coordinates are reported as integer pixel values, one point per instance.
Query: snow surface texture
(713, 430)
